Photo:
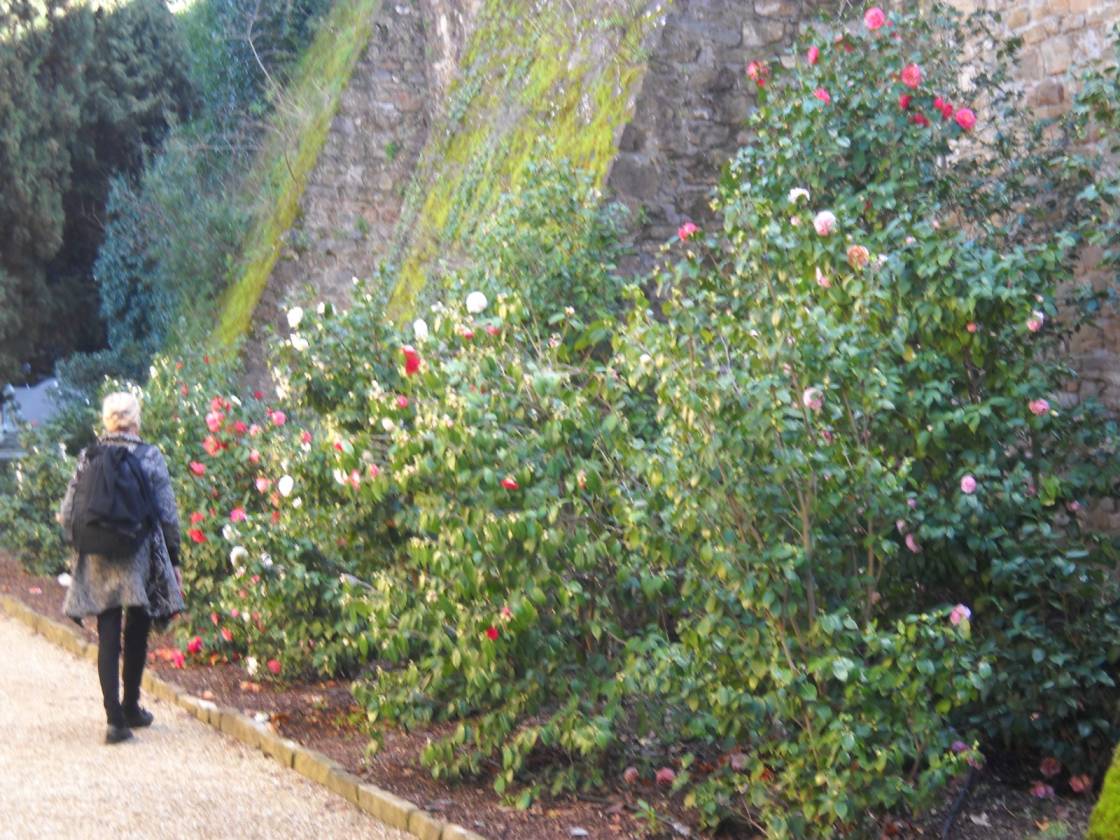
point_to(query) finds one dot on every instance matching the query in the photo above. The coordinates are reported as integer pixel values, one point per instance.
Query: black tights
(108, 659)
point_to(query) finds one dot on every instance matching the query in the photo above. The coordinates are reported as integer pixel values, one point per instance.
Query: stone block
(238, 726)
(313, 764)
(344, 784)
(1048, 92)
(385, 806)
(425, 826)
(762, 33)
(282, 749)
(457, 832)
(1056, 54)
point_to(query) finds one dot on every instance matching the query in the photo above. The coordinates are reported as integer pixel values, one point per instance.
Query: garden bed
(324, 717)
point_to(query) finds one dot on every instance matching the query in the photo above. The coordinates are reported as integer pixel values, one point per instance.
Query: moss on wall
(563, 73)
(1104, 824)
(297, 135)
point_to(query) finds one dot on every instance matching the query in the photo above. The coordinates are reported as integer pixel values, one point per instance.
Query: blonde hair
(120, 412)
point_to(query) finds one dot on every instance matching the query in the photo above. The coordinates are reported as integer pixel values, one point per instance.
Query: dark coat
(147, 579)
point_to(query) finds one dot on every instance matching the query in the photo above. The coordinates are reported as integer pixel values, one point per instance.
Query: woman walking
(144, 588)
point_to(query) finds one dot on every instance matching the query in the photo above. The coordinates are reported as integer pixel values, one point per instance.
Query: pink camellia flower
(197, 468)
(1041, 790)
(235, 613)
(178, 660)
(858, 257)
(216, 404)
(274, 666)
(900, 526)
(630, 775)
(822, 279)
(278, 418)
(968, 484)
(214, 619)
(1081, 783)
(920, 119)
(239, 428)
(874, 18)
(402, 401)
(1073, 506)
(374, 471)
(758, 72)
(305, 436)
(1038, 407)
(237, 515)
(912, 544)
(212, 445)
(912, 503)
(214, 420)
(492, 330)
(823, 96)
(904, 101)
(506, 613)
(971, 327)
(959, 747)
(1035, 322)
(492, 633)
(813, 56)
(197, 517)
(195, 645)
(824, 222)
(254, 457)
(411, 360)
(1050, 767)
(685, 231)
(184, 390)
(354, 479)
(812, 399)
(827, 436)
(468, 334)
(510, 483)
(665, 776)
(254, 430)
(227, 634)
(958, 614)
(911, 75)
(263, 484)
(965, 118)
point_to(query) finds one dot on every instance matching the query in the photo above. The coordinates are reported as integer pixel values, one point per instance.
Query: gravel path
(180, 778)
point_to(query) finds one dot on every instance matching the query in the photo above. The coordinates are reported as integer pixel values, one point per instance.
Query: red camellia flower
(212, 445)
(510, 483)
(227, 634)
(814, 55)
(197, 517)
(273, 665)
(275, 517)
(823, 96)
(685, 231)
(411, 360)
(184, 390)
(758, 72)
(197, 468)
(904, 101)
(911, 75)
(240, 428)
(237, 515)
(468, 334)
(278, 418)
(305, 436)
(874, 18)
(258, 395)
(196, 535)
(195, 645)
(338, 446)
(920, 119)
(178, 660)
(492, 330)
(492, 633)
(965, 118)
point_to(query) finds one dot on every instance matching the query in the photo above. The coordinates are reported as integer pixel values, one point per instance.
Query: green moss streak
(1104, 824)
(527, 75)
(298, 133)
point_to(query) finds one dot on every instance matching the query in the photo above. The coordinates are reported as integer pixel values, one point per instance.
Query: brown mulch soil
(323, 716)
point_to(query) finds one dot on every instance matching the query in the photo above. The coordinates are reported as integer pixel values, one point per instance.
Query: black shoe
(116, 734)
(138, 718)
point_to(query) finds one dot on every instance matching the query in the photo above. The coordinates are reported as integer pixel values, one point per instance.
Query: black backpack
(112, 512)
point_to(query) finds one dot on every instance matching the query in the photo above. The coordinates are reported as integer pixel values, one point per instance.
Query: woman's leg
(135, 654)
(108, 663)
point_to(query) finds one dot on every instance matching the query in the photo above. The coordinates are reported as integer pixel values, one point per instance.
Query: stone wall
(350, 208)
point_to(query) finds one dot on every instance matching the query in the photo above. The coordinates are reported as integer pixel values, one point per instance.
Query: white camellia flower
(321, 309)
(796, 193)
(295, 315)
(339, 476)
(266, 560)
(229, 533)
(420, 329)
(64, 580)
(297, 502)
(251, 665)
(476, 302)
(285, 485)
(237, 555)
(387, 424)
(299, 342)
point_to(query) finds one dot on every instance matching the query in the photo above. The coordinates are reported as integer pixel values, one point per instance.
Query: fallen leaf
(35, 590)
(981, 820)
(251, 687)
(207, 695)
(682, 829)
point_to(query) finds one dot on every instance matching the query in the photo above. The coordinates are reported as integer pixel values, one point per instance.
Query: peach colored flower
(858, 257)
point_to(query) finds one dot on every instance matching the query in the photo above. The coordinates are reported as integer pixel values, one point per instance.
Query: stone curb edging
(380, 804)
